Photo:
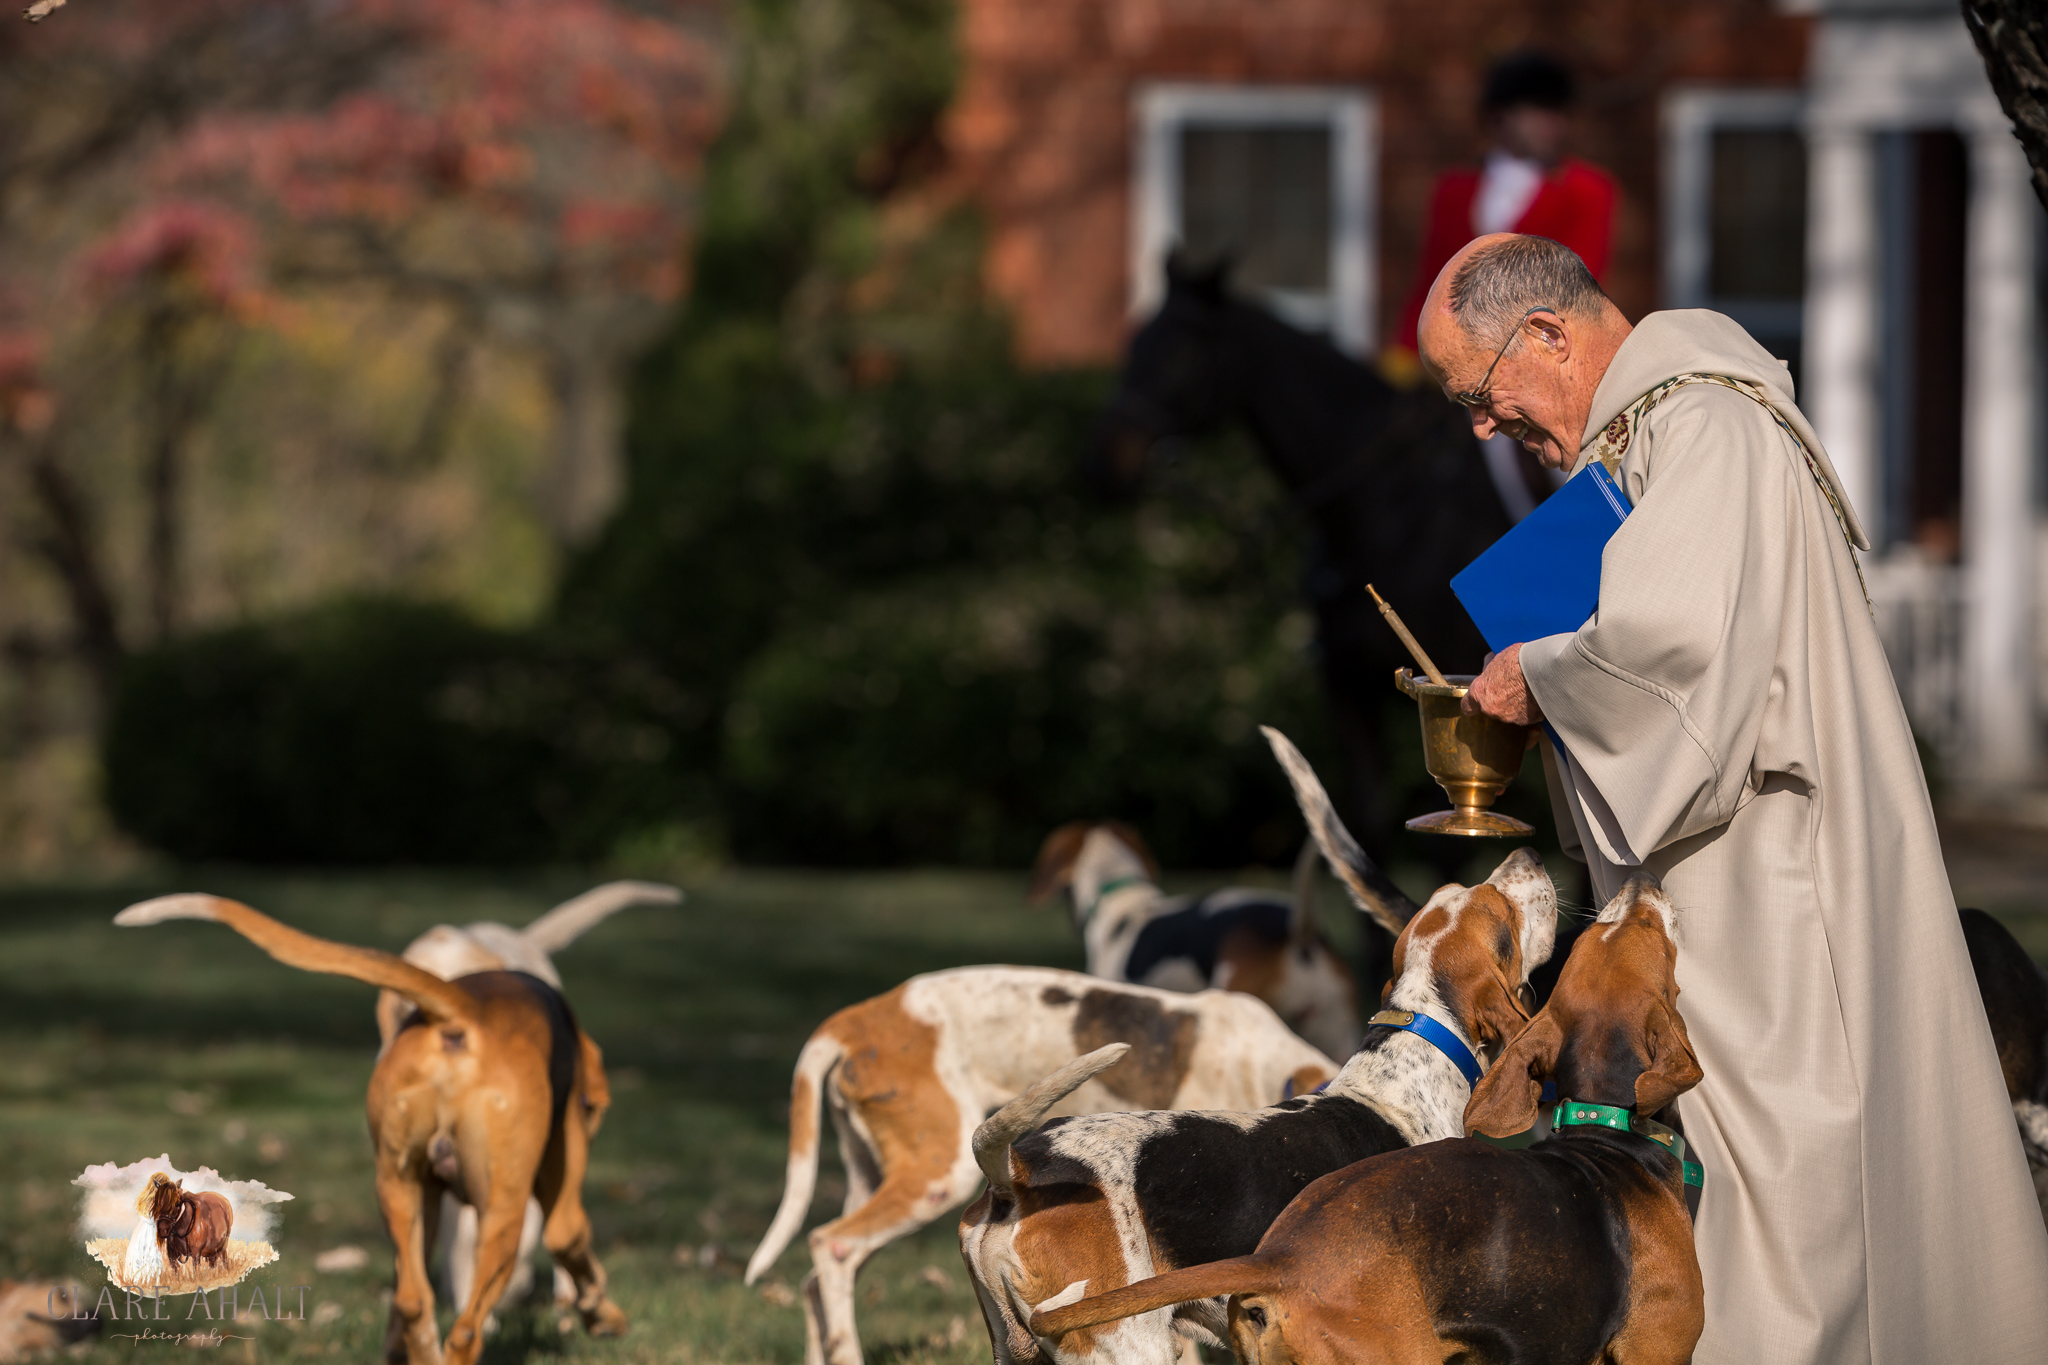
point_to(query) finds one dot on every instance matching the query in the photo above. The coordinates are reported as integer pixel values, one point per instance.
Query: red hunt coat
(1575, 206)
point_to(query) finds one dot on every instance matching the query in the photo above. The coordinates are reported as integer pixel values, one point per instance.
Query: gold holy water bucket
(1473, 758)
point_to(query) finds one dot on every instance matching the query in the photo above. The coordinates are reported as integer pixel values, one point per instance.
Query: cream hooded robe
(1730, 723)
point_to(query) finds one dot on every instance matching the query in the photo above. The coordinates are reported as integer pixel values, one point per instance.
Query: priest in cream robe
(1730, 723)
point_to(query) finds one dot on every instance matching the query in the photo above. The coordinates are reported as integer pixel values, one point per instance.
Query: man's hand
(1502, 692)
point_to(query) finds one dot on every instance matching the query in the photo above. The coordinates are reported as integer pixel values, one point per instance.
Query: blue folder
(1543, 577)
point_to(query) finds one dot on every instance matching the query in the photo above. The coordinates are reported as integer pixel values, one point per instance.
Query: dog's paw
(606, 1320)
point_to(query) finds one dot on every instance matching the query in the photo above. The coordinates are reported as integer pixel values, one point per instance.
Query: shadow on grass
(525, 1331)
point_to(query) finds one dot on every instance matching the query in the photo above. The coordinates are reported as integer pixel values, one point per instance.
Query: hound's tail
(806, 1135)
(572, 919)
(1303, 929)
(1239, 1275)
(993, 1138)
(437, 999)
(1371, 888)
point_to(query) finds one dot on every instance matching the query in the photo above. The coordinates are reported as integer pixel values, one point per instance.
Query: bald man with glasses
(1729, 722)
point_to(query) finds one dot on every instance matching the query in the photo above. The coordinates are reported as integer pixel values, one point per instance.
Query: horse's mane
(154, 1193)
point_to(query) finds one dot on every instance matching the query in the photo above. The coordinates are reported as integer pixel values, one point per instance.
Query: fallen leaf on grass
(340, 1260)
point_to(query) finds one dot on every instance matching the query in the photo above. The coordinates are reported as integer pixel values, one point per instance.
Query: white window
(1278, 177)
(1735, 210)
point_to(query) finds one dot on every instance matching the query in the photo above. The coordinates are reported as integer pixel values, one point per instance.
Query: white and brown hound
(1236, 938)
(1095, 1203)
(1577, 1248)
(490, 1089)
(908, 1075)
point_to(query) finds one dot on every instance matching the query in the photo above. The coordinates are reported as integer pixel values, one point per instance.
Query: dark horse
(1393, 482)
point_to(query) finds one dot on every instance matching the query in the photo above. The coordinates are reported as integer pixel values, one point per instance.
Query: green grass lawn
(121, 1044)
(126, 1043)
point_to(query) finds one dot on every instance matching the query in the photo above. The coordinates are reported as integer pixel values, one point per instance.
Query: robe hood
(1699, 340)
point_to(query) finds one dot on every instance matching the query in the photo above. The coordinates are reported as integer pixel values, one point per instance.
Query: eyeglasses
(1483, 395)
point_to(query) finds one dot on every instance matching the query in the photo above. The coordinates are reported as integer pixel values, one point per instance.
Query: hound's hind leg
(906, 1201)
(566, 1233)
(856, 1154)
(412, 1336)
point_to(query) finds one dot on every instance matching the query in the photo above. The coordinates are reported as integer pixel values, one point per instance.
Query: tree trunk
(165, 408)
(68, 545)
(585, 475)
(2012, 37)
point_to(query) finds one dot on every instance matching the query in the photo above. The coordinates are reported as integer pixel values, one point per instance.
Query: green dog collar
(1105, 891)
(1584, 1114)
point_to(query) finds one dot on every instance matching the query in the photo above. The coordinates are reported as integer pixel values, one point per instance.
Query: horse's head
(1181, 377)
(159, 1199)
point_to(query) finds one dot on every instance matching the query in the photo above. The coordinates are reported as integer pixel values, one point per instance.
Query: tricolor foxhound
(1236, 938)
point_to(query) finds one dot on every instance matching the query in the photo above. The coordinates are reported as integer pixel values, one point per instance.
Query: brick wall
(1041, 132)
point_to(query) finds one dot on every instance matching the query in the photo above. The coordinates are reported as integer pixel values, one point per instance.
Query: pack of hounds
(1154, 1154)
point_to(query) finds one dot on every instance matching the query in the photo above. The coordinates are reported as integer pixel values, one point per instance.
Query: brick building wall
(1041, 132)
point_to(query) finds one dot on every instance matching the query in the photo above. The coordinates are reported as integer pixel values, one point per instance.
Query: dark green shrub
(374, 732)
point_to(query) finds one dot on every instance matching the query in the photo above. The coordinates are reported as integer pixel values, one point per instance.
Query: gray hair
(1498, 285)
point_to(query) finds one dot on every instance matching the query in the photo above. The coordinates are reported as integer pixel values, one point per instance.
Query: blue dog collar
(1433, 1033)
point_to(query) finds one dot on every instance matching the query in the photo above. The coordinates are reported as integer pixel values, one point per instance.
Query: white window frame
(1351, 114)
(1692, 115)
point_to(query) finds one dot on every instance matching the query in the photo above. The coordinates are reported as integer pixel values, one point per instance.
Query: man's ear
(1673, 1068)
(1504, 1102)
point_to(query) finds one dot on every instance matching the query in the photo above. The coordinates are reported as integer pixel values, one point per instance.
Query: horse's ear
(1220, 271)
(1206, 280)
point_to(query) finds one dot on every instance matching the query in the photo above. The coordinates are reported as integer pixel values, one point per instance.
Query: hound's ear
(1500, 1011)
(1673, 1068)
(1136, 843)
(1504, 1102)
(1054, 870)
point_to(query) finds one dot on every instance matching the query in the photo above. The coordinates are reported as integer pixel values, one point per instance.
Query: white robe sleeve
(1660, 698)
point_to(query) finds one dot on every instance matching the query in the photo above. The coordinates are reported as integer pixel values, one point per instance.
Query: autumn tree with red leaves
(187, 184)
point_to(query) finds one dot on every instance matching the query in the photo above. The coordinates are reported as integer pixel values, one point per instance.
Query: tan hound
(908, 1075)
(490, 1090)
(1578, 1248)
(1237, 938)
(42, 1317)
(486, 946)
